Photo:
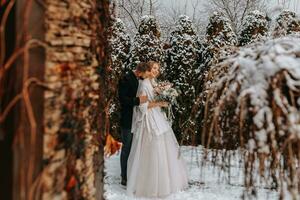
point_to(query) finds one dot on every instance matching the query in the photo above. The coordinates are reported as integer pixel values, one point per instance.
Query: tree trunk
(51, 143)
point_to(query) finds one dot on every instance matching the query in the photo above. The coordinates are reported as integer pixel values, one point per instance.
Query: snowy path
(205, 185)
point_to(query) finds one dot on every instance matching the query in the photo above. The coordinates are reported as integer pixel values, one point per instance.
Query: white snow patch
(205, 182)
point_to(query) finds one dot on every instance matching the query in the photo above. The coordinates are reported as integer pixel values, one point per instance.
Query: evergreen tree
(218, 44)
(119, 44)
(255, 28)
(182, 68)
(219, 40)
(147, 44)
(286, 23)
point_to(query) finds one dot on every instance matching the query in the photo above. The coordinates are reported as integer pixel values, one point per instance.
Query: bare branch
(234, 10)
(2, 31)
(130, 15)
(151, 7)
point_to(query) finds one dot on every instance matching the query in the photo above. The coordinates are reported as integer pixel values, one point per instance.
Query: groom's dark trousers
(126, 137)
(128, 86)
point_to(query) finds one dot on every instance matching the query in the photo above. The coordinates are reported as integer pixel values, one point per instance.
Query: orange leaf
(111, 146)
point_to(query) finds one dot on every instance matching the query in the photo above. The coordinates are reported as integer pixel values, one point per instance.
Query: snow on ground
(205, 182)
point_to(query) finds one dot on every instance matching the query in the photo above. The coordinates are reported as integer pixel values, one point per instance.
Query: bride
(155, 168)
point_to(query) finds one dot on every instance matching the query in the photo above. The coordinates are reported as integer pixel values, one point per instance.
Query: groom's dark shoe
(124, 182)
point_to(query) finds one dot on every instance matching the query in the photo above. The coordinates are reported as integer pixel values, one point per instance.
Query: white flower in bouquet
(169, 95)
(165, 92)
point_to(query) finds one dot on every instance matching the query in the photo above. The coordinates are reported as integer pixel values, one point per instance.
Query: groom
(128, 86)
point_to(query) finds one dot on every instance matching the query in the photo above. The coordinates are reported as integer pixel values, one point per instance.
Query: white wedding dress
(155, 168)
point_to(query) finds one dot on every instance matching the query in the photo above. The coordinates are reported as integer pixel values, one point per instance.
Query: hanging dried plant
(252, 103)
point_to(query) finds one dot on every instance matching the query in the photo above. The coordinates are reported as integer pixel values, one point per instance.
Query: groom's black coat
(128, 86)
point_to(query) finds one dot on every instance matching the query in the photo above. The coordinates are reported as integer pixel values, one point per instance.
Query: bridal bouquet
(165, 92)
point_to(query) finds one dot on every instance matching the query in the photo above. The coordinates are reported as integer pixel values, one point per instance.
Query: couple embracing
(150, 163)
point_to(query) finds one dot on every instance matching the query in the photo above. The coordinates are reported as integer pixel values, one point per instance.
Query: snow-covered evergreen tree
(255, 28)
(119, 44)
(182, 67)
(147, 44)
(220, 41)
(220, 38)
(286, 23)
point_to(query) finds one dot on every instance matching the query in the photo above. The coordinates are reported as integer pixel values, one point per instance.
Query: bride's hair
(152, 63)
(143, 67)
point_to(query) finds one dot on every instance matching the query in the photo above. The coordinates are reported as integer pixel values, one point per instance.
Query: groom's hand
(143, 99)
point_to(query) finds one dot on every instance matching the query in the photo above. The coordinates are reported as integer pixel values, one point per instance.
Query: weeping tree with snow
(286, 23)
(182, 69)
(119, 44)
(253, 104)
(147, 45)
(255, 28)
